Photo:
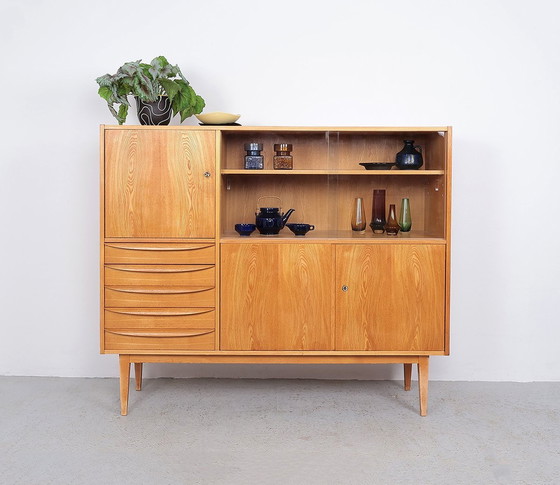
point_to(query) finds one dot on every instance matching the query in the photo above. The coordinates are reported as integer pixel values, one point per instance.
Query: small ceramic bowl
(300, 229)
(245, 229)
(217, 118)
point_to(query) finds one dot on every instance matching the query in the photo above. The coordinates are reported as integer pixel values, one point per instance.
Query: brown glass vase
(359, 216)
(392, 227)
(378, 220)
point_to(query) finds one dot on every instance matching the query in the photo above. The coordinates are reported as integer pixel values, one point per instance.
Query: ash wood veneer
(178, 285)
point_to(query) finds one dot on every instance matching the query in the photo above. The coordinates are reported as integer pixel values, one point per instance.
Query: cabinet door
(390, 297)
(277, 297)
(155, 183)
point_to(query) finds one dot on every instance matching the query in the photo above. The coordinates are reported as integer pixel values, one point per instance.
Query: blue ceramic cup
(300, 229)
(245, 229)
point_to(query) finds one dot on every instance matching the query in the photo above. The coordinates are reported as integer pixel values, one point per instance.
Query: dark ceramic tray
(378, 165)
(220, 124)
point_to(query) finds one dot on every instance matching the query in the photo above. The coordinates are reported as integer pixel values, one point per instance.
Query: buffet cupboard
(179, 285)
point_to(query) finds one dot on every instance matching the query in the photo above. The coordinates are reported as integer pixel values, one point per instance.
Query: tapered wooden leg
(407, 376)
(423, 384)
(124, 364)
(138, 375)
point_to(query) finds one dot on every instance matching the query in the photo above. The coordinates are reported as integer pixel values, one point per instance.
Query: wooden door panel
(155, 183)
(395, 298)
(277, 297)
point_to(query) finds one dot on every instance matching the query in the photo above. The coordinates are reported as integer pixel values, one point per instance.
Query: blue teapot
(270, 219)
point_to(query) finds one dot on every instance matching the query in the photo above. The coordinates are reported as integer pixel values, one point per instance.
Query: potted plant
(159, 88)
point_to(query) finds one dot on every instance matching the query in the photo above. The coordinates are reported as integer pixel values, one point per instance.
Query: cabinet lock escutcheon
(207, 174)
(344, 288)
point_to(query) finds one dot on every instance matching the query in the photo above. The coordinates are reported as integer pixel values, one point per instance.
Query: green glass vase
(405, 219)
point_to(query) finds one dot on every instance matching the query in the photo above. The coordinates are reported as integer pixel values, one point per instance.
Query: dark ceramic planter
(154, 113)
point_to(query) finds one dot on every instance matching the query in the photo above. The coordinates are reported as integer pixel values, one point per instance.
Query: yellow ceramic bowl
(217, 118)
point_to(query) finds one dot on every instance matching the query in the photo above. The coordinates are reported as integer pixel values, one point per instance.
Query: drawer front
(158, 296)
(126, 340)
(166, 275)
(162, 253)
(160, 318)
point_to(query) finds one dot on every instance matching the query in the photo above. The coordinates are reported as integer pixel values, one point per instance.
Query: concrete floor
(221, 431)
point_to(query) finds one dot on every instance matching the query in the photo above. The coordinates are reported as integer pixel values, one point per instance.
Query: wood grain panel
(395, 298)
(155, 275)
(124, 340)
(155, 183)
(163, 253)
(276, 297)
(159, 318)
(159, 296)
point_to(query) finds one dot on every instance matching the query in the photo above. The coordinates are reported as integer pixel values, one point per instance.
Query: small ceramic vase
(409, 158)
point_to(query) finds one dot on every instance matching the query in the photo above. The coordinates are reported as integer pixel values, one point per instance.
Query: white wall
(489, 68)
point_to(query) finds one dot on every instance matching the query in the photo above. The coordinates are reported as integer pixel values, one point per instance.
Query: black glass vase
(409, 158)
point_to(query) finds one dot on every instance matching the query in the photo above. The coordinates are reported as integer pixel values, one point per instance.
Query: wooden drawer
(160, 318)
(156, 275)
(162, 253)
(127, 340)
(159, 296)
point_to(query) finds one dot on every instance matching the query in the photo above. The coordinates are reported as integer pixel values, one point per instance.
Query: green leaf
(106, 93)
(182, 100)
(105, 80)
(171, 88)
(129, 68)
(124, 88)
(123, 111)
(199, 105)
(187, 113)
(146, 68)
(192, 96)
(113, 112)
(162, 61)
(144, 88)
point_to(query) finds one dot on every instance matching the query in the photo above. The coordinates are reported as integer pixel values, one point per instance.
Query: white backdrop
(490, 68)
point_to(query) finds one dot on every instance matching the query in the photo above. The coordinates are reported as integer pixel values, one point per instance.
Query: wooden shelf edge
(283, 353)
(328, 238)
(273, 358)
(228, 171)
(308, 129)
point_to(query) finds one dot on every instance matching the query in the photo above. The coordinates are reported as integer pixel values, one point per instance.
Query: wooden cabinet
(390, 297)
(179, 285)
(159, 184)
(277, 297)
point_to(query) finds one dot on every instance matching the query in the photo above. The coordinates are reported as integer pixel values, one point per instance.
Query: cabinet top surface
(241, 129)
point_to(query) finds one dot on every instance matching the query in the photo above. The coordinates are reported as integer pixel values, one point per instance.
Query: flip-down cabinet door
(159, 184)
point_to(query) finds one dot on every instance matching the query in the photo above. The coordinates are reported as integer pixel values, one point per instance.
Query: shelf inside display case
(331, 172)
(286, 236)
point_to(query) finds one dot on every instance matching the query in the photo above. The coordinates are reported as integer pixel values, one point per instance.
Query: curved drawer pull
(160, 270)
(136, 248)
(167, 291)
(194, 333)
(159, 313)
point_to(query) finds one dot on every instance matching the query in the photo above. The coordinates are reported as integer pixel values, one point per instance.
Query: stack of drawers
(159, 297)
